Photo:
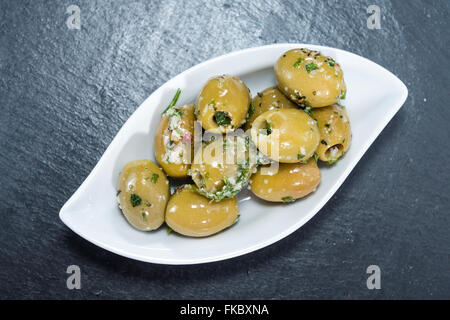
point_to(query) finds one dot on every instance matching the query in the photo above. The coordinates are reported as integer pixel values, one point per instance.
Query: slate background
(64, 94)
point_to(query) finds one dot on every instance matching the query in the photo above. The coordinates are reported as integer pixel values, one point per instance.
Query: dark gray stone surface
(64, 94)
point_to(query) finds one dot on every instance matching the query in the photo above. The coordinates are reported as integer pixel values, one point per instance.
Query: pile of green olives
(272, 144)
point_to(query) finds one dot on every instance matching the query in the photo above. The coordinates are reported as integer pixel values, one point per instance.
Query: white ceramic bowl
(374, 96)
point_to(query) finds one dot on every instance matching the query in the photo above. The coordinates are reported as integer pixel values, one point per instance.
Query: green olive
(310, 79)
(290, 182)
(286, 135)
(269, 99)
(143, 192)
(223, 104)
(191, 214)
(222, 167)
(335, 132)
(174, 145)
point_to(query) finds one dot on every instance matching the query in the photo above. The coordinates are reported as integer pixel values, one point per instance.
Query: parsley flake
(268, 128)
(310, 67)
(222, 119)
(308, 110)
(287, 199)
(155, 177)
(135, 200)
(251, 110)
(316, 157)
(297, 63)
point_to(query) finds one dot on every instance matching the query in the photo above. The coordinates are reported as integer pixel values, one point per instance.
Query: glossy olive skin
(298, 135)
(178, 131)
(310, 79)
(213, 165)
(225, 95)
(193, 215)
(292, 181)
(335, 132)
(144, 180)
(269, 99)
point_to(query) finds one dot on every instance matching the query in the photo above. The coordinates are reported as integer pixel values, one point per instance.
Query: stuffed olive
(290, 182)
(191, 214)
(174, 140)
(142, 193)
(335, 132)
(269, 99)
(310, 79)
(286, 135)
(223, 104)
(223, 166)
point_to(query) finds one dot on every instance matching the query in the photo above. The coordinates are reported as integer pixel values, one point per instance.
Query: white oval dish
(374, 96)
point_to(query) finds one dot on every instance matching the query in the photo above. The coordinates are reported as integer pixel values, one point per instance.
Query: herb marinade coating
(310, 79)
(143, 192)
(223, 104)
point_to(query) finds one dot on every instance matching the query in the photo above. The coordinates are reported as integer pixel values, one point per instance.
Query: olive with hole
(142, 193)
(309, 78)
(173, 142)
(223, 104)
(223, 166)
(193, 215)
(287, 182)
(269, 99)
(335, 132)
(286, 135)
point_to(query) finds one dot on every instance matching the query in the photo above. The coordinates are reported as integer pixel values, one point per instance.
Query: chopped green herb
(236, 220)
(308, 110)
(176, 113)
(247, 142)
(343, 95)
(135, 200)
(243, 170)
(155, 177)
(174, 100)
(310, 67)
(300, 156)
(323, 142)
(287, 199)
(327, 125)
(331, 162)
(222, 119)
(251, 110)
(316, 157)
(268, 128)
(147, 203)
(144, 215)
(297, 63)
(331, 62)
(169, 229)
